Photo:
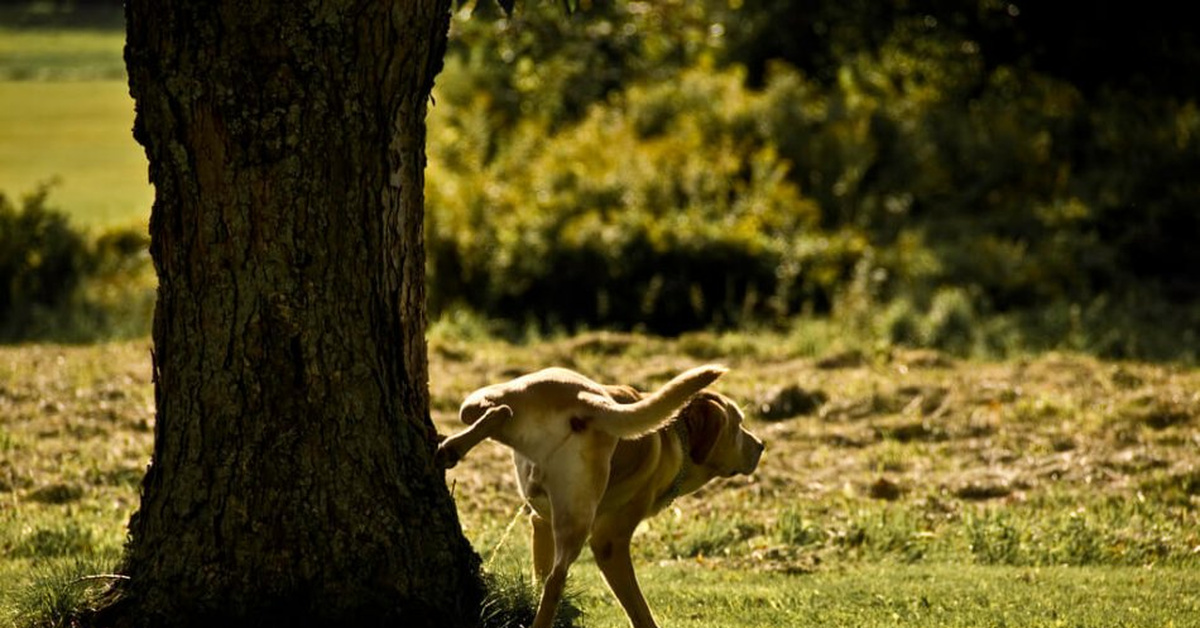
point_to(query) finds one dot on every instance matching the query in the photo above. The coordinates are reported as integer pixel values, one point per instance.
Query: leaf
(507, 5)
(570, 6)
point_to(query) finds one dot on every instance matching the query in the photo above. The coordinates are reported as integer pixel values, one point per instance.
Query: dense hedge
(61, 283)
(675, 165)
(661, 210)
(978, 174)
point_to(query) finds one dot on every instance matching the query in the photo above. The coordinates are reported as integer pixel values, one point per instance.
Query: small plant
(900, 324)
(1078, 542)
(995, 539)
(793, 528)
(512, 601)
(60, 593)
(951, 323)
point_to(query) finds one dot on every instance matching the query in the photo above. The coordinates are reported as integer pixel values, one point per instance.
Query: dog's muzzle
(752, 451)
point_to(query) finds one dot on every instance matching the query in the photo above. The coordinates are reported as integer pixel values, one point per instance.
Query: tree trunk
(292, 481)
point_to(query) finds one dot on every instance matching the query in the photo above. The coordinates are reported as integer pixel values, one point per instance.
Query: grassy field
(78, 133)
(66, 116)
(899, 489)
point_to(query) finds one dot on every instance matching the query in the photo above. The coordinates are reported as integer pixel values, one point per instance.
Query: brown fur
(602, 486)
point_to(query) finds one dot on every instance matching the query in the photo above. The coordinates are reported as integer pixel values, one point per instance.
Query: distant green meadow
(66, 119)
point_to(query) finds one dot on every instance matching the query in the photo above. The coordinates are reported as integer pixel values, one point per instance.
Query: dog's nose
(755, 452)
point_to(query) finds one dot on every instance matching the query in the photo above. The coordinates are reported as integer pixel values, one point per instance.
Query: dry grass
(896, 457)
(905, 454)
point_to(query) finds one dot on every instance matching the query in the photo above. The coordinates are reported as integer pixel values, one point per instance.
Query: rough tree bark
(292, 480)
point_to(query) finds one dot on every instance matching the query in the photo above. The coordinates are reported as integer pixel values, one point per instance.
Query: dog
(593, 461)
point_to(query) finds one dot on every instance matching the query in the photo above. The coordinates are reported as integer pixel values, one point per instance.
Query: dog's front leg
(610, 545)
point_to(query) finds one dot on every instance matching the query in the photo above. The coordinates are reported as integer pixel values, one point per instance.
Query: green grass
(865, 596)
(66, 116)
(61, 54)
(80, 134)
(1051, 490)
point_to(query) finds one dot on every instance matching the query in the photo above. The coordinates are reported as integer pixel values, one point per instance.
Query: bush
(42, 262)
(58, 283)
(668, 209)
(685, 165)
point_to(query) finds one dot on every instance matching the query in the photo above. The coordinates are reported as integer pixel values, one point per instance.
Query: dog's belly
(530, 481)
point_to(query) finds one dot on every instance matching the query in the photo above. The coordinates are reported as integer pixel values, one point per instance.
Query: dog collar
(679, 428)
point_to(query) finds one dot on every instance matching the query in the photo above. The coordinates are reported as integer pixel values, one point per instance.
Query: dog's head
(717, 439)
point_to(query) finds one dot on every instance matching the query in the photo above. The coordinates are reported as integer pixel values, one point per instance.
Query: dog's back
(552, 406)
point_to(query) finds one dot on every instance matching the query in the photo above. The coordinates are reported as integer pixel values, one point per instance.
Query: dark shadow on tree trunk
(292, 481)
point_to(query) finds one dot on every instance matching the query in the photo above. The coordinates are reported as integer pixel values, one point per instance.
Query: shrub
(951, 323)
(610, 173)
(667, 209)
(42, 262)
(58, 282)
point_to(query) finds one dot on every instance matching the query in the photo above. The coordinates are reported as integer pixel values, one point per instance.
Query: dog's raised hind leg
(454, 448)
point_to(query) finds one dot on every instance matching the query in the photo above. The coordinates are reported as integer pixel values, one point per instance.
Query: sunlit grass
(689, 595)
(78, 133)
(925, 491)
(62, 54)
(66, 116)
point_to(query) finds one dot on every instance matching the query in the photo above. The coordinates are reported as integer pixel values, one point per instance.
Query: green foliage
(56, 282)
(42, 261)
(794, 528)
(599, 169)
(658, 210)
(1036, 164)
(711, 536)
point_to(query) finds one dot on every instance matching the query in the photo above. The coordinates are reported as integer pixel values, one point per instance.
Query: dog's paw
(446, 457)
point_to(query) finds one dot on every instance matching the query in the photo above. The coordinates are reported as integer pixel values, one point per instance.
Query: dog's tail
(653, 411)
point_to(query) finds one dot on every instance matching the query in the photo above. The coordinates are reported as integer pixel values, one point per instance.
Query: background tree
(292, 479)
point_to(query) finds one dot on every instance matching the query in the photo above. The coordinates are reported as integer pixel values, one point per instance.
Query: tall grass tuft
(512, 600)
(60, 592)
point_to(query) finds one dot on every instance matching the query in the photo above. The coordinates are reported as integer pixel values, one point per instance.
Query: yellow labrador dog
(593, 461)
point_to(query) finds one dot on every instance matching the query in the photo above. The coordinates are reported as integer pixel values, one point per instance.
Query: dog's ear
(704, 419)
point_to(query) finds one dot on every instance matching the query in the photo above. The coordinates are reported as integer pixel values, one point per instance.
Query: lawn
(900, 488)
(910, 489)
(66, 116)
